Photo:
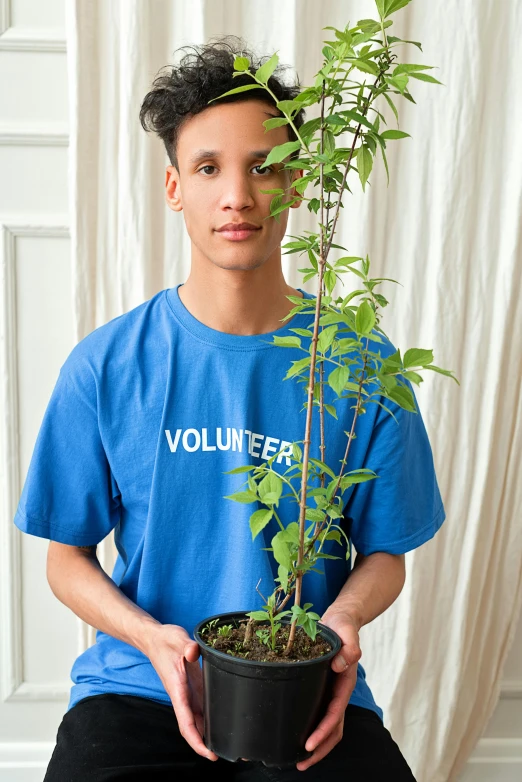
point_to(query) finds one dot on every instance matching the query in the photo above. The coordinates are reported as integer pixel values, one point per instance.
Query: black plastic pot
(263, 711)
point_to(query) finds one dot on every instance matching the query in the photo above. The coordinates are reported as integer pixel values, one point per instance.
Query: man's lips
(237, 234)
(238, 226)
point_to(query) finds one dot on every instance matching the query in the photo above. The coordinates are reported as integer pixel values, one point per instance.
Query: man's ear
(296, 173)
(172, 189)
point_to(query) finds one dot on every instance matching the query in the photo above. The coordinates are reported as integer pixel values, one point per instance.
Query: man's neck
(238, 306)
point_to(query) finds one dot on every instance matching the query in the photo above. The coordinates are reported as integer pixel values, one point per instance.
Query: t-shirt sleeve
(70, 494)
(402, 508)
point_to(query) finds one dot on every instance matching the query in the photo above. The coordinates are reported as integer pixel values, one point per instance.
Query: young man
(148, 414)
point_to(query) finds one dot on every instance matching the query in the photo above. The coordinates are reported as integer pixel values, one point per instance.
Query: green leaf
(266, 70)
(334, 512)
(357, 476)
(310, 627)
(393, 134)
(338, 378)
(347, 260)
(296, 452)
(242, 496)
(425, 77)
(390, 6)
(367, 66)
(298, 613)
(410, 68)
(282, 572)
(326, 337)
(238, 89)
(330, 279)
(359, 118)
(322, 467)
(298, 366)
(275, 122)
(314, 514)
(259, 520)
(364, 318)
(392, 106)
(388, 381)
(291, 533)
(331, 409)
(281, 550)
(446, 372)
(364, 163)
(289, 106)
(415, 357)
(278, 153)
(334, 535)
(393, 361)
(287, 342)
(243, 468)
(258, 616)
(399, 82)
(404, 398)
(270, 489)
(277, 206)
(241, 64)
(413, 376)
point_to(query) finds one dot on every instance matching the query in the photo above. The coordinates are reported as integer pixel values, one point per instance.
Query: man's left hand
(330, 730)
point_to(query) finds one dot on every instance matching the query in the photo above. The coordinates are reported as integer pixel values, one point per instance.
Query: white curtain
(447, 228)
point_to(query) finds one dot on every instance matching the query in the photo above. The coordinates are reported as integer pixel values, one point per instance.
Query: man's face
(219, 182)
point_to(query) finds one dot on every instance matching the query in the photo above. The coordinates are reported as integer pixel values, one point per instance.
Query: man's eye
(269, 168)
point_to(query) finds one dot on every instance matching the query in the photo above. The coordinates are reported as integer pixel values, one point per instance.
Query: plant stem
(309, 410)
(248, 633)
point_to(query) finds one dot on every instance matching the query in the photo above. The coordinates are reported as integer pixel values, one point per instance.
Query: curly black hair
(184, 90)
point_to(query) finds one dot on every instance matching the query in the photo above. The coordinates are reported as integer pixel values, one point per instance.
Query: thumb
(339, 663)
(191, 651)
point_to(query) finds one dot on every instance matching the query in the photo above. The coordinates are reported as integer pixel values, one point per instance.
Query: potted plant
(266, 673)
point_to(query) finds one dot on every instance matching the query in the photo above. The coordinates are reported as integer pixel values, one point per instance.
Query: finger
(342, 691)
(188, 728)
(199, 723)
(195, 676)
(350, 652)
(339, 663)
(323, 749)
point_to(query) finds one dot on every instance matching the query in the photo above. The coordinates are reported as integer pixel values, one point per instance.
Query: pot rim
(335, 641)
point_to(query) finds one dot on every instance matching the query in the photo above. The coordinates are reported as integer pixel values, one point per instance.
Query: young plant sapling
(337, 348)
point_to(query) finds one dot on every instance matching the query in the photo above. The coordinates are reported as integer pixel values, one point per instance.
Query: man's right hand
(175, 658)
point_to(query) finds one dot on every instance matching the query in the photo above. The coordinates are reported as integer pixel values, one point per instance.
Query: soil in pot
(233, 643)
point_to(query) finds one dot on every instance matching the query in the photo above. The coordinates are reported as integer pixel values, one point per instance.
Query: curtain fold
(447, 228)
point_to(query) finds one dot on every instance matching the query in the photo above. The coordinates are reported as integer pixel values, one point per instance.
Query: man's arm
(375, 582)
(77, 579)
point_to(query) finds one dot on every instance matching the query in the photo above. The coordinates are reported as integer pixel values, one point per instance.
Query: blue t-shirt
(148, 413)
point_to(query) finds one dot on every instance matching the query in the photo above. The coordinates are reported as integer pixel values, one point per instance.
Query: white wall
(39, 637)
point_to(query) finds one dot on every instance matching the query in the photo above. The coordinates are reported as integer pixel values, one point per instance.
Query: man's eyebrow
(202, 154)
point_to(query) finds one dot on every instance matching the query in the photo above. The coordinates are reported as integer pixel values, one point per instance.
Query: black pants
(119, 737)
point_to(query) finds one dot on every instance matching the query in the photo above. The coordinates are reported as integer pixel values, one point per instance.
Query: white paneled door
(39, 636)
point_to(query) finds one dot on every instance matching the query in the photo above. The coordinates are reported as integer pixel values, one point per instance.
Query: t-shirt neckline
(222, 338)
